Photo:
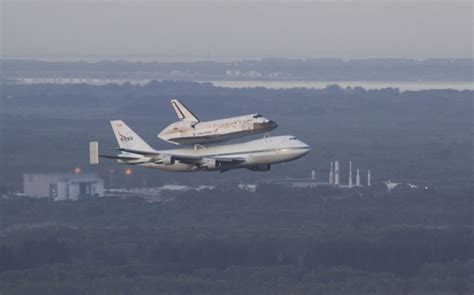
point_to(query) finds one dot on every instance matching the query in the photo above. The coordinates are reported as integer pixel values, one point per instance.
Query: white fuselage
(266, 151)
(215, 131)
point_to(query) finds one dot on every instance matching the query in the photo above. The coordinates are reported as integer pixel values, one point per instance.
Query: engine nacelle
(210, 163)
(167, 159)
(260, 167)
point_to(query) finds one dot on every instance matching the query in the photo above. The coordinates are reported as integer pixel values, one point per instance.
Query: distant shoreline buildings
(62, 186)
(333, 181)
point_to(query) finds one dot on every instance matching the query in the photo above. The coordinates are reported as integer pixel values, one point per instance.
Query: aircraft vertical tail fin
(127, 138)
(184, 114)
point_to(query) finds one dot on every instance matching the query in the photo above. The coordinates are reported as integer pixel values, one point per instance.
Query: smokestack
(368, 178)
(350, 174)
(331, 174)
(358, 178)
(313, 175)
(336, 173)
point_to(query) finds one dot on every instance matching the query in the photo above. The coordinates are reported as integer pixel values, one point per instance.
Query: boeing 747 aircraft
(189, 130)
(256, 155)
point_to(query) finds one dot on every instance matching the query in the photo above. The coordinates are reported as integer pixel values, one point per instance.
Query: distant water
(402, 85)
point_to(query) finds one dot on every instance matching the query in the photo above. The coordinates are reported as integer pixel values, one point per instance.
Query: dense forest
(273, 241)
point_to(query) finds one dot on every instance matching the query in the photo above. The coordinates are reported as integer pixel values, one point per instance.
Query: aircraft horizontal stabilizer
(139, 152)
(119, 157)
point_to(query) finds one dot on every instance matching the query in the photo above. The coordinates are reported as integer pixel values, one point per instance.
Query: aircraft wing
(139, 152)
(192, 160)
(134, 160)
(199, 160)
(184, 159)
(187, 159)
(230, 160)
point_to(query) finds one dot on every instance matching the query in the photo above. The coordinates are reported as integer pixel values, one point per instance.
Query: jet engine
(167, 159)
(260, 167)
(210, 163)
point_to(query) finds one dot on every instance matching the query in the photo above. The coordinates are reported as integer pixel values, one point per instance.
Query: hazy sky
(157, 30)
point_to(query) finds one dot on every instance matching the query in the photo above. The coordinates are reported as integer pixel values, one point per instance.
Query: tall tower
(336, 173)
(331, 174)
(313, 175)
(350, 174)
(357, 178)
(368, 178)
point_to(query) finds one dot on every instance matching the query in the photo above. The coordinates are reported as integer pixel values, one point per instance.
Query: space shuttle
(189, 130)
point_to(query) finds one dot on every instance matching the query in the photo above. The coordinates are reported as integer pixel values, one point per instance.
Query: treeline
(271, 207)
(133, 261)
(274, 241)
(399, 250)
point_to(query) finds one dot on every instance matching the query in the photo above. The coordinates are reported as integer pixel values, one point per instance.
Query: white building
(62, 186)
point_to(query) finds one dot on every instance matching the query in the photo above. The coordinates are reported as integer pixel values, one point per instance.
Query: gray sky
(160, 30)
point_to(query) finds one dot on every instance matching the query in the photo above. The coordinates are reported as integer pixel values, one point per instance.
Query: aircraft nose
(163, 133)
(305, 147)
(301, 149)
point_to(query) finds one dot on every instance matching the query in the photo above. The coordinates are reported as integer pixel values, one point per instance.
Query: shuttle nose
(266, 125)
(272, 124)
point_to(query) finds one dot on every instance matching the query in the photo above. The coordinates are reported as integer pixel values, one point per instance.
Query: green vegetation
(273, 241)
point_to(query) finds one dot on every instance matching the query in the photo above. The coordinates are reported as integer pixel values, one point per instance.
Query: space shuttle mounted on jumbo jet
(256, 155)
(190, 130)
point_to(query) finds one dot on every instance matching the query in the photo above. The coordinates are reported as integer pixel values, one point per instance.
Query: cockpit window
(292, 138)
(257, 116)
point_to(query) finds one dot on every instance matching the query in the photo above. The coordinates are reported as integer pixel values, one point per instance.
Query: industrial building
(62, 186)
(334, 179)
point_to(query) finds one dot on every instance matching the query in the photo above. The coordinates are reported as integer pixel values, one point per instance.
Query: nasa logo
(124, 138)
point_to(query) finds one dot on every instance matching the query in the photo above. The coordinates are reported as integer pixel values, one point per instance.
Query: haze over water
(402, 85)
(271, 84)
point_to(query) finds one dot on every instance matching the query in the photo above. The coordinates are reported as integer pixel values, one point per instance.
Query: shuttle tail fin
(184, 114)
(127, 138)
